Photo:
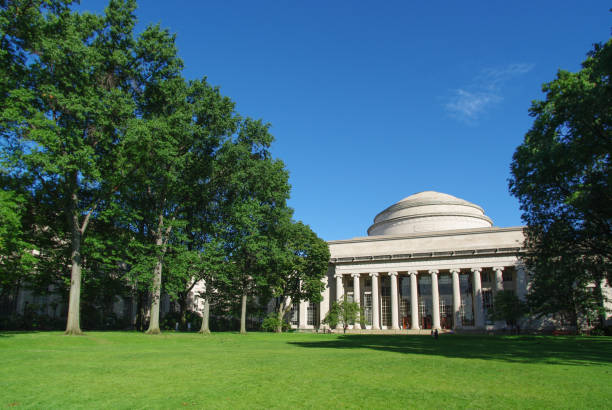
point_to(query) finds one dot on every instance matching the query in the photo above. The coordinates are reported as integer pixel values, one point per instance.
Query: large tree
(299, 263)
(174, 142)
(65, 114)
(126, 166)
(252, 192)
(561, 175)
(197, 252)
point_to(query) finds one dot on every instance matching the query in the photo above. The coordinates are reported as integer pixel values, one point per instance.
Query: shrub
(271, 323)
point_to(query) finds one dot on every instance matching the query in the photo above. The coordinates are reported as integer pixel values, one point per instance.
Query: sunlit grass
(227, 370)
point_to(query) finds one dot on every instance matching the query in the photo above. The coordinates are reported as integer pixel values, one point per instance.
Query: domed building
(429, 211)
(430, 261)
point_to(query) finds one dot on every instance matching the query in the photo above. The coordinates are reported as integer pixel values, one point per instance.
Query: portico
(422, 298)
(430, 261)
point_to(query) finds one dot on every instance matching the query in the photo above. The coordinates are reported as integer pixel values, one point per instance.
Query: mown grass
(227, 370)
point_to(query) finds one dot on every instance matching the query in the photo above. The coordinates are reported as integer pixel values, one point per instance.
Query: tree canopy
(300, 260)
(122, 177)
(561, 176)
(343, 312)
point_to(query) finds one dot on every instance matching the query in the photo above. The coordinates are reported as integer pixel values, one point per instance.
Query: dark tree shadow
(529, 349)
(11, 333)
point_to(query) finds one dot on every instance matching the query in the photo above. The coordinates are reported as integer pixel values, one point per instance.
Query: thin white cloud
(495, 78)
(468, 103)
(467, 106)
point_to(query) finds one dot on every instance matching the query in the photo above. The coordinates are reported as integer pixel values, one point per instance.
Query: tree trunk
(574, 317)
(243, 314)
(140, 310)
(282, 311)
(601, 312)
(73, 326)
(182, 313)
(13, 298)
(157, 276)
(279, 328)
(155, 299)
(205, 316)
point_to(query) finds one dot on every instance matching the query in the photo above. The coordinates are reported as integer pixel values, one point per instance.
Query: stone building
(430, 261)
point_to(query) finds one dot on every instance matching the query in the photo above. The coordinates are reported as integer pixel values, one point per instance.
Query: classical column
(339, 287)
(356, 296)
(499, 278)
(356, 291)
(456, 299)
(414, 301)
(477, 286)
(521, 282)
(375, 308)
(394, 299)
(435, 299)
(303, 314)
(339, 292)
(324, 305)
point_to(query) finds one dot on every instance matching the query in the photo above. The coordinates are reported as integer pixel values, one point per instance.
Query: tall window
(348, 284)
(446, 308)
(445, 286)
(425, 301)
(423, 314)
(404, 290)
(385, 300)
(295, 309)
(367, 307)
(466, 310)
(405, 313)
(312, 314)
(446, 313)
(487, 303)
(486, 276)
(487, 299)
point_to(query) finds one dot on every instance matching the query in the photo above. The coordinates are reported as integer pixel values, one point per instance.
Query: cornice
(454, 232)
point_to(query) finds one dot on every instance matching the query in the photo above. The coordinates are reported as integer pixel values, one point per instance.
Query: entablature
(433, 255)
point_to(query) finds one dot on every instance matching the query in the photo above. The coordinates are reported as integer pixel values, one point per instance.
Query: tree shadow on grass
(521, 349)
(12, 333)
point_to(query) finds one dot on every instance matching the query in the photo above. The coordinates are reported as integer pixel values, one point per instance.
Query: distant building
(430, 261)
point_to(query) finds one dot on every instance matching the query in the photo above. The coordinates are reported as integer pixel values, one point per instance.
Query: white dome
(429, 211)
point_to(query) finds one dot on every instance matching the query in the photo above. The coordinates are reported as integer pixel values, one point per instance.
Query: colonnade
(479, 314)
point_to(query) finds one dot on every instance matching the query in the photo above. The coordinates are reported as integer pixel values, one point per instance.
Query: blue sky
(371, 102)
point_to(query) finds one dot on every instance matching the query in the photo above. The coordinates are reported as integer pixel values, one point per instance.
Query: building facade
(430, 261)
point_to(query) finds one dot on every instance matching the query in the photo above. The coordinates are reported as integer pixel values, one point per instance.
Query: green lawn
(259, 370)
